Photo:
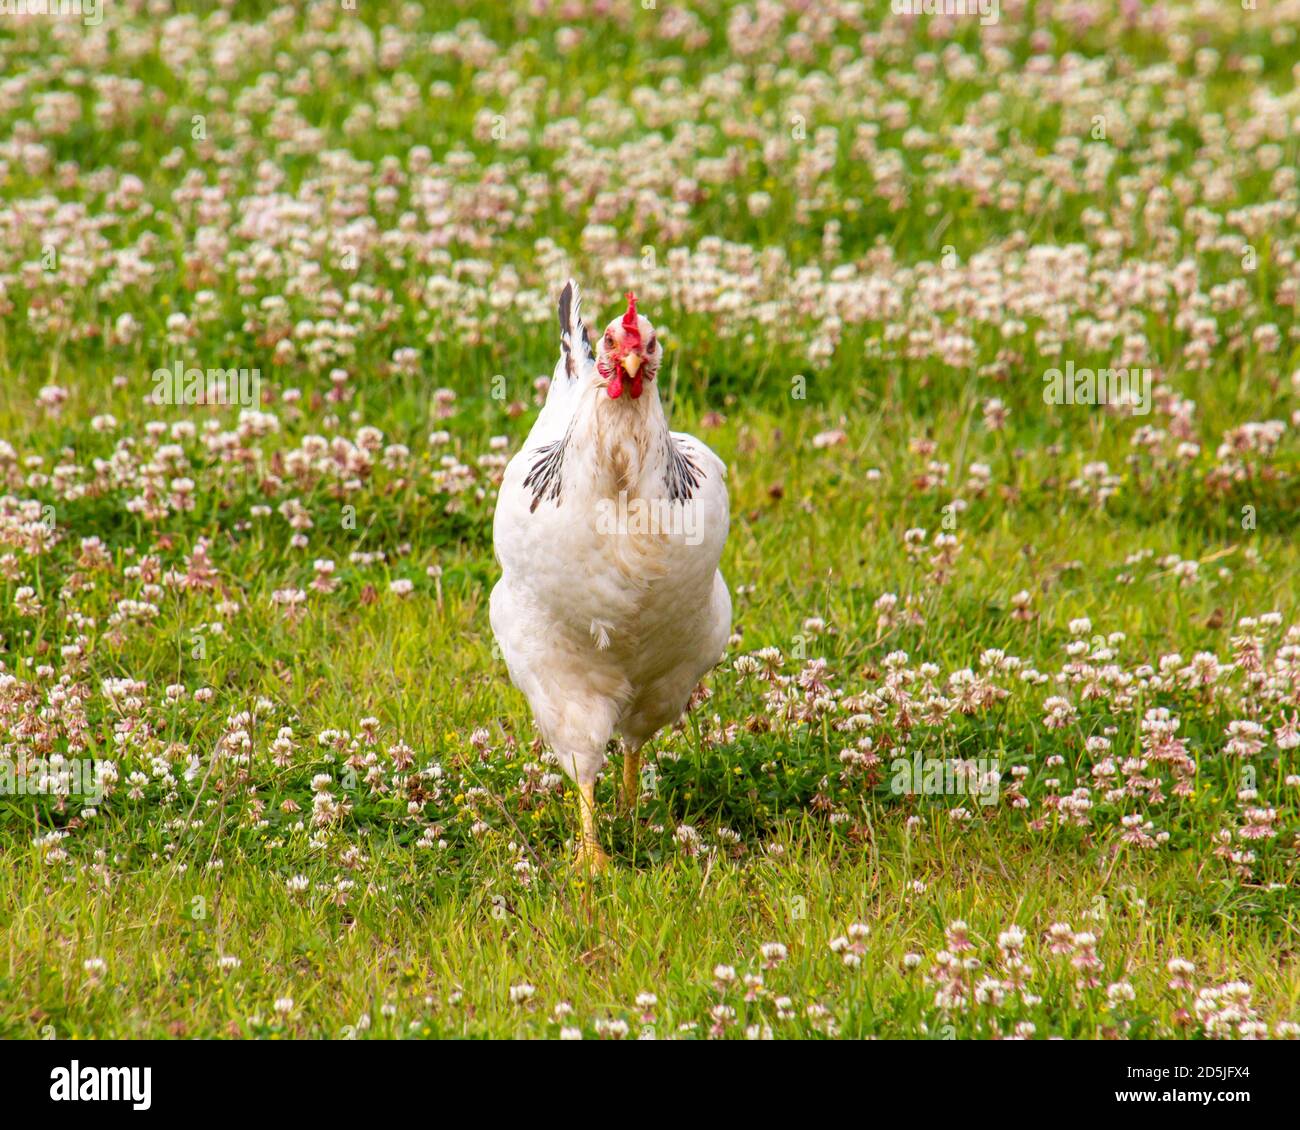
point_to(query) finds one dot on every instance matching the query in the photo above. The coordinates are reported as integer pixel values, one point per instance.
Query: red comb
(631, 332)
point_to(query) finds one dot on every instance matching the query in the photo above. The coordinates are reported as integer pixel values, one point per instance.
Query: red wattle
(615, 387)
(636, 386)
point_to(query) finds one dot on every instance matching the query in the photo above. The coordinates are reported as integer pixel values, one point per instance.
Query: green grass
(430, 956)
(437, 877)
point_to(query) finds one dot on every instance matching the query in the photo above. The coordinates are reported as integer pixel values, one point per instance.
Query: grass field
(263, 774)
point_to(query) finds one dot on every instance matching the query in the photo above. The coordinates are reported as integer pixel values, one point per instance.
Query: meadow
(1004, 744)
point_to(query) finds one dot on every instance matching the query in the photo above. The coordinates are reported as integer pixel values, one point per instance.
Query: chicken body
(609, 528)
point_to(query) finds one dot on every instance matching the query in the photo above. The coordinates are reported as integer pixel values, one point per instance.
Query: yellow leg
(631, 778)
(590, 856)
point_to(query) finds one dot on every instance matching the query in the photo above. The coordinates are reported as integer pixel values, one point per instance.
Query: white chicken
(609, 529)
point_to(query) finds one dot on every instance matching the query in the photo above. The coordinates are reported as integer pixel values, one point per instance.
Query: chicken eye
(609, 340)
(653, 340)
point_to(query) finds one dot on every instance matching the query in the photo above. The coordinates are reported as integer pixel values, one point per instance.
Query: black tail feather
(573, 330)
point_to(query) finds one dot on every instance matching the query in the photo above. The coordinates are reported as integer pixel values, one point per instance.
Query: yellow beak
(632, 362)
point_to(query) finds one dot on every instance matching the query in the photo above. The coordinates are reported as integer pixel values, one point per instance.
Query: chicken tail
(573, 331)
